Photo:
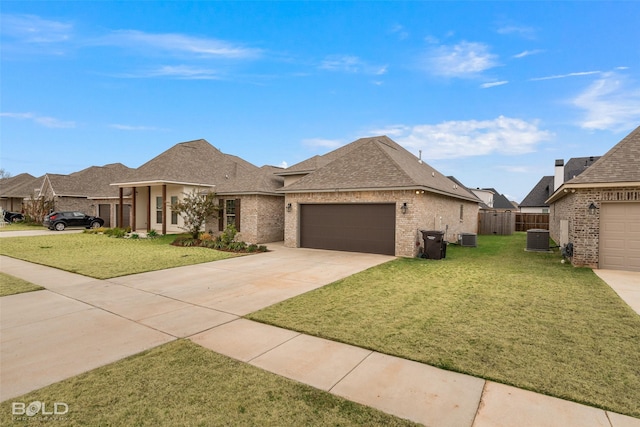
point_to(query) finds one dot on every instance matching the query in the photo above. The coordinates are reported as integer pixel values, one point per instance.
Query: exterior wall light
(404, 208)
(288, 207)
(592, 209)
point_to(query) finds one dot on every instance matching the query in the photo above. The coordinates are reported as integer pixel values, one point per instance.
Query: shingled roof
(620, 164)
(19, 186)
(200, 163)
(375, 163)
(92, 182)
(538, 196)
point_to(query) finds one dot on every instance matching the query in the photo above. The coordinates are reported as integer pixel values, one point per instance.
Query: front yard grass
(180, 384)
(104, 257)
(21, 226)
(10, 285)
(496, 312)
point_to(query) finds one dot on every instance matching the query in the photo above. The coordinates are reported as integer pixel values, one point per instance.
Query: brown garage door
(620, 236)
(367, 227)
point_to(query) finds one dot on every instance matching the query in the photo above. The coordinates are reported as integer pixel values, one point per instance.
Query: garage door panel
(348, 227)
(620, 236)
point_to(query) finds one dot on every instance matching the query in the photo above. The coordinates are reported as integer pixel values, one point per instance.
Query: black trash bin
(435, 247)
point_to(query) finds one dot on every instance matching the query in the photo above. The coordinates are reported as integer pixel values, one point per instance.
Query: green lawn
(180, 384)
(496, 312)
(10, 285)
(21, 226)
(103, 257)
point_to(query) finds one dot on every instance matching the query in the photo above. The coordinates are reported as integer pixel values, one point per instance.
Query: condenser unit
(538, 240)
(468, 239)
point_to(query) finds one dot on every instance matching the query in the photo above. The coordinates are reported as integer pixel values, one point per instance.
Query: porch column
(120, 207)
(148, 208)
(133, 209)
(164, 209)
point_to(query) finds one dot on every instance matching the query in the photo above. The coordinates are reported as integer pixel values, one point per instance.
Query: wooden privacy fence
(528, 221)
(491, 222)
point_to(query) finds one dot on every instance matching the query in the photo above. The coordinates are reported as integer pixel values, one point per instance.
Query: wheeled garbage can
(435, 247)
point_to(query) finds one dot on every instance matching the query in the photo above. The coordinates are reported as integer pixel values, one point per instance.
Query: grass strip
(495, 312)
(10, 285)
(183, 384)
(104, 257)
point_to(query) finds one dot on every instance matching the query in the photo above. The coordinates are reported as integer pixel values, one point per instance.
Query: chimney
(558, 178)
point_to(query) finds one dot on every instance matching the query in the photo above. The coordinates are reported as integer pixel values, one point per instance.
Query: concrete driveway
(79, 323)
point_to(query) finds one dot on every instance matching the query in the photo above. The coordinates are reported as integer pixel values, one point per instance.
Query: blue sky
(491, 92)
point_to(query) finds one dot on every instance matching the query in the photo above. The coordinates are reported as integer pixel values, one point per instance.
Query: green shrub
(134, 236)
(229, 235)
(116, 232)
(152, 234)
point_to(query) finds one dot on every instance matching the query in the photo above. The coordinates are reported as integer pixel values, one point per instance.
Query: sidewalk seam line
(350, 371)
(480, 401)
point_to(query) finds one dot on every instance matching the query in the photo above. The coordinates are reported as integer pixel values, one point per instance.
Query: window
(461, 213)
(230, 212)
(159, 210)
(174, 214)
(545, 210)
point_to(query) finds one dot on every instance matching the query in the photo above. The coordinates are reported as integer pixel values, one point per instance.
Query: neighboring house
(14, 190)
(492, 199)
(372, 196)
(247, 194)
(89, 191)
(598, 211)
(536, 200)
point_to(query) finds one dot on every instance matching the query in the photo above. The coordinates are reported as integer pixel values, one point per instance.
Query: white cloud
(184, 72)
(33, 29)
(493, 84)
(519, 30)
(283, 165)
(456, 139)
(526, 53)
(351, 64)
(465, 59)
(179, 44)
(610, 103)
(400, 31)
(46, 121)
(134, 128)
(564, 76)
(323, 143)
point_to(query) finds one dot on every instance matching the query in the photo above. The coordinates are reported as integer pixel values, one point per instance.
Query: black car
(12, 216)
(61, 220)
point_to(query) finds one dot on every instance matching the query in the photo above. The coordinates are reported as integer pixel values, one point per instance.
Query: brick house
(598, 211)
(247, 194)
(372, 196)
(88, 191)
(15, 189)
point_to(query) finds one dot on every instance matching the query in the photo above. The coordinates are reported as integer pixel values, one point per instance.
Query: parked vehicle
(12, 216)
(61, 220)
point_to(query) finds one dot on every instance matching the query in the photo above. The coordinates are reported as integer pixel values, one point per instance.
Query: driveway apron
(79, 323)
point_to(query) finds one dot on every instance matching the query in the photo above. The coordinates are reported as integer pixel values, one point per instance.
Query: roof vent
(420, 156)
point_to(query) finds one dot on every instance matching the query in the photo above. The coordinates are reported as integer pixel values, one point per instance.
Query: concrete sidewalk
(625, 283)
(79, 323)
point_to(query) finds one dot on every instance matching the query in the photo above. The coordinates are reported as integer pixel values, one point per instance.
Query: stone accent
(261, 218)
(425, 211)
(584, 228)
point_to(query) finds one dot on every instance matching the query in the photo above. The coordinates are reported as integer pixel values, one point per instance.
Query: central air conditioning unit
(538, 240)
(468, 239)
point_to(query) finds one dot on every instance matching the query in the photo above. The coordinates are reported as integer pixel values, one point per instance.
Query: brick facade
(425, 211)
(583, 227)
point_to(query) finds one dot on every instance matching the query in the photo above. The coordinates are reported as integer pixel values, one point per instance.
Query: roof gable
(620, 164)
(374, 163)
(198, 162)
(538, 196)
(19, 186)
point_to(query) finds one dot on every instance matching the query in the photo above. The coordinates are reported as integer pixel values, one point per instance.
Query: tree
(195, 208)
(4, 173)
